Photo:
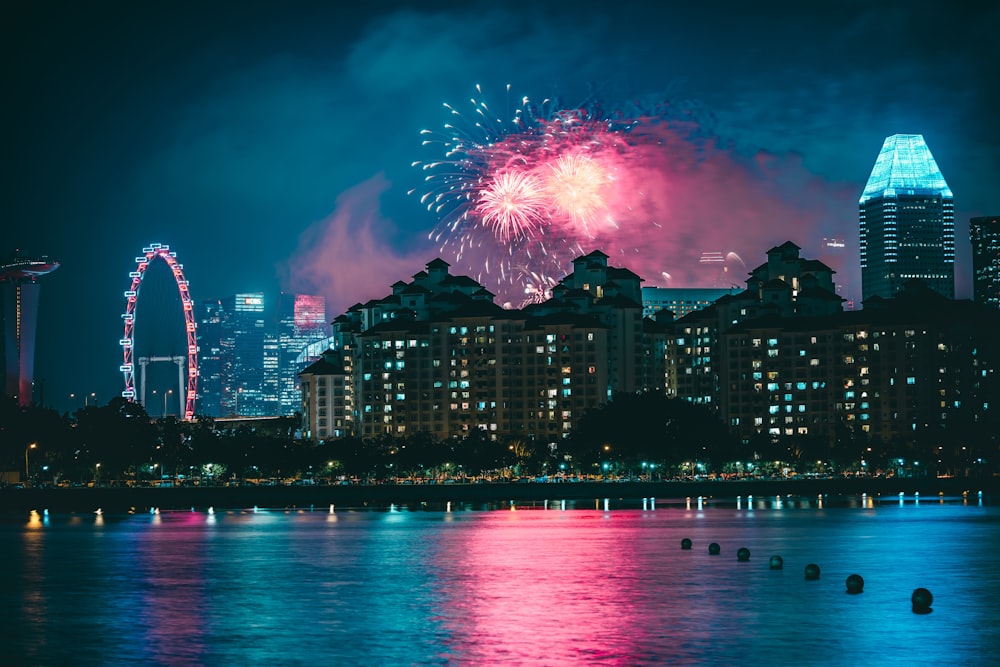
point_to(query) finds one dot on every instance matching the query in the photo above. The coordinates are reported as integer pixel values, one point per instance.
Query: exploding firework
(576, 187)
(512, 205)
(518, 199)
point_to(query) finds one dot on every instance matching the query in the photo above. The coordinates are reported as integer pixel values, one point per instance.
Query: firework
(575, 186)
(512, 205)
(518, 198)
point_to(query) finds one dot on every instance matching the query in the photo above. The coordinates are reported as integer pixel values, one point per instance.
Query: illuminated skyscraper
(907, 221)
(985, 235)
(246, 389)
(214, 364)
(18, 279)
(301, 322)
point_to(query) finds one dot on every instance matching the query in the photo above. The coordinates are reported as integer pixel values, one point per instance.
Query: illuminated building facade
(19, 286)
(782, 362)
(907, 221)
(439, 356)
(244, 393)
(250, 367)
(984, 233)
(325, 398)
(680, 300)
(214, 359)
(301, 323)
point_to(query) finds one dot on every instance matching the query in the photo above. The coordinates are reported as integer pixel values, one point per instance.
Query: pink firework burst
(519, 196)
(576, 186)
(513, 205)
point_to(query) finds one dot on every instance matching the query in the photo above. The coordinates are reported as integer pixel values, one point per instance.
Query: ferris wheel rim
(150, 253)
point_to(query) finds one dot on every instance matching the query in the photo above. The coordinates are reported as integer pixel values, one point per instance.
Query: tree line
(647, 436)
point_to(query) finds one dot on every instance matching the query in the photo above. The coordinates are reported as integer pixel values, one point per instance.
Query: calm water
(534, 586)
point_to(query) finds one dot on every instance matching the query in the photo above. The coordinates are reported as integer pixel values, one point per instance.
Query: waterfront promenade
(123, 499)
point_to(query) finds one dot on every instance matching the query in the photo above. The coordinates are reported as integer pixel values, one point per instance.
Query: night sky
(271, 144)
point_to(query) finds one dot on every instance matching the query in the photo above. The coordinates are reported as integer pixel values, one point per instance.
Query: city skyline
(267, 150)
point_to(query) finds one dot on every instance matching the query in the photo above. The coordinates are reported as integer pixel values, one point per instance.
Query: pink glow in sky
(346, 257)
(663, 203)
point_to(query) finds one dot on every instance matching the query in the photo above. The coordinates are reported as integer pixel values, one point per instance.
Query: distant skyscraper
(301, 322)
(18, 277)
(246, 391)
(985, 235)
(213, 362)
(907, 221)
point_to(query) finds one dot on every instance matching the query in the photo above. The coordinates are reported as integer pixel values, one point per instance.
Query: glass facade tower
(301, 322)
(907, 221)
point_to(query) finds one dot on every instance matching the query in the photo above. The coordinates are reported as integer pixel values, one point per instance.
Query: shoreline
(123, 499)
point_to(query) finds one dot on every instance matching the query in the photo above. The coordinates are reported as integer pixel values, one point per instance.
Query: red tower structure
(19, 276)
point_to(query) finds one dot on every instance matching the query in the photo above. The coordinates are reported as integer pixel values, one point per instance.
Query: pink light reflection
(549, 587)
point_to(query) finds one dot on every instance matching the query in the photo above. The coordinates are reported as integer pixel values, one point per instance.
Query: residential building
(984, 232)
(782, 361)
(681, 300)
(439, 356)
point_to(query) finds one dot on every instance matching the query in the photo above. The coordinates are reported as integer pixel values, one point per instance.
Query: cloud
(346, 257)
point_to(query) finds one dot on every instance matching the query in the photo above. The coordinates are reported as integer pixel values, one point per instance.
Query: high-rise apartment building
(783, 362)
(984, 233)
(907, 221)
(439, 356)
(681, 300)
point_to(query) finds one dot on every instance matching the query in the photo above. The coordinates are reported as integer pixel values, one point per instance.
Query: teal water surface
(599, 583)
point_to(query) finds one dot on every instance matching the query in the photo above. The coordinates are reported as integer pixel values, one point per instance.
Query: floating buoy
(776, 562)
(812, 572)
(211, 510)
(922, 601)
(331, 508)
(743, 554)
(855, 584)
(686, 543)
(714, 549)
(98, 511)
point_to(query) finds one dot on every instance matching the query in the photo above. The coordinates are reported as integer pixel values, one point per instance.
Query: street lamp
(97, 475)
(26, 450)
(165, 394)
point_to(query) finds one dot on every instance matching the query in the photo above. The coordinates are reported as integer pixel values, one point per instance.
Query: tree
(649, 427)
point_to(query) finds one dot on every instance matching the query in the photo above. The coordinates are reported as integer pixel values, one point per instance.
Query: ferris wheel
(188, 389)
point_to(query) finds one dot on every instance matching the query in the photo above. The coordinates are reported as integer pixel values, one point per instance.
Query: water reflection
(550, 583)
